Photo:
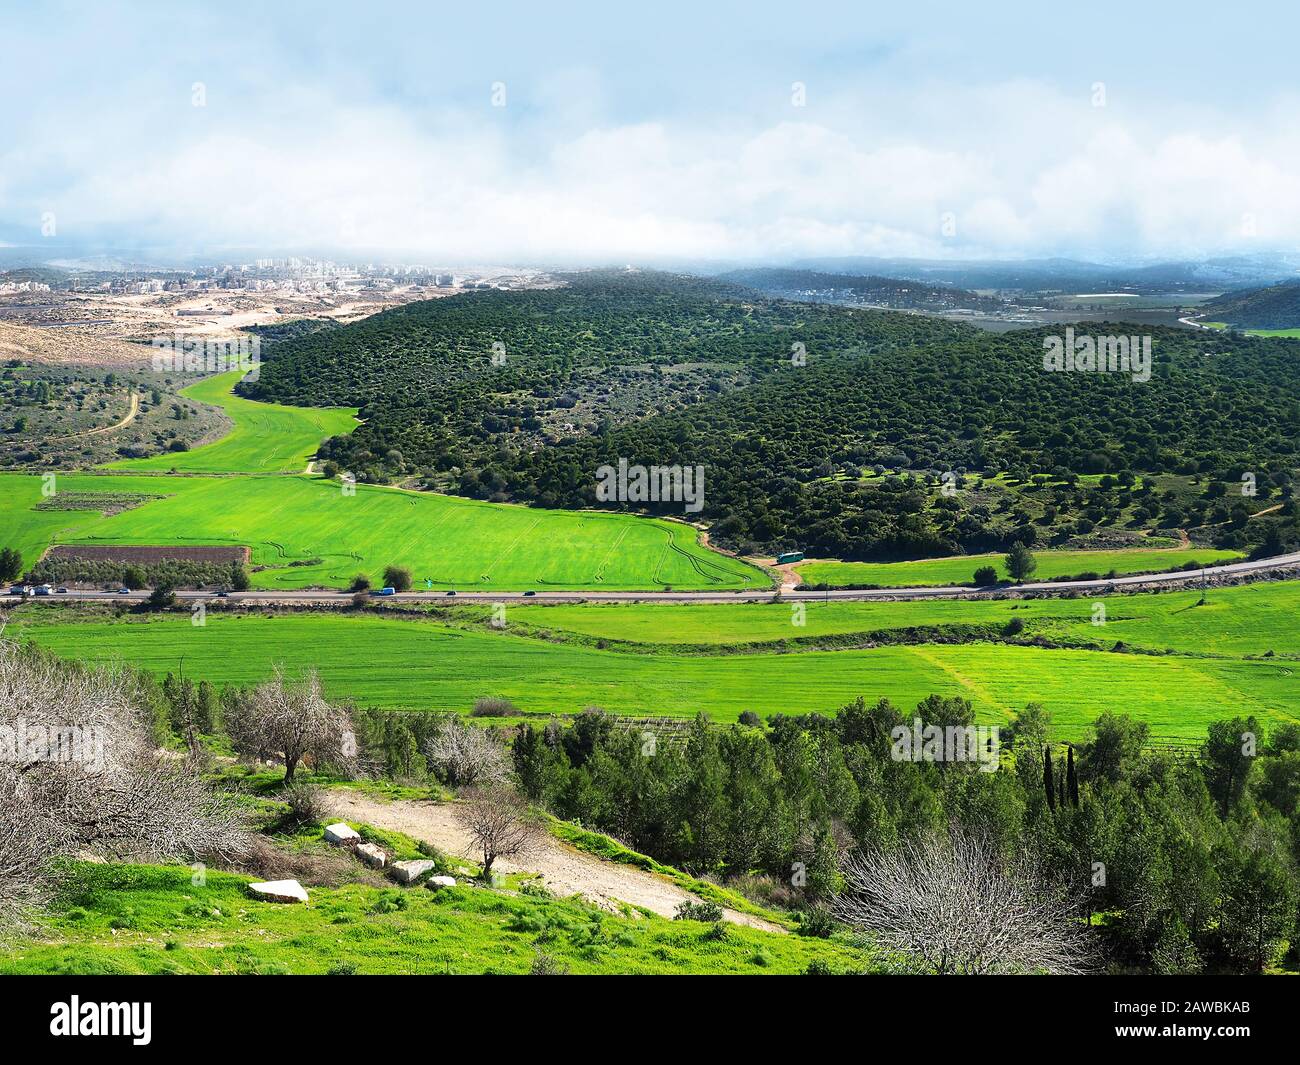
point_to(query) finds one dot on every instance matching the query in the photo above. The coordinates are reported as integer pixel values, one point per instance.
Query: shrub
(545, 965)
(398, 578)
(986, 576)
(306, 804)
(494, 706)
(748, 717)
(360, 583)
(816, 922)
(691, 910)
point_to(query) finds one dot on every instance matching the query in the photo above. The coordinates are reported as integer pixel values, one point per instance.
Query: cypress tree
(1047, 778)
(1072, 779)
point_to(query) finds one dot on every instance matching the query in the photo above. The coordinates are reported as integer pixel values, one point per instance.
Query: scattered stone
(441, 881)
(372, 855)
(409, 872)
(279, 891)
(342, 835)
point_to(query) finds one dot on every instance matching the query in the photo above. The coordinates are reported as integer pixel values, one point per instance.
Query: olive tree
(292, 718)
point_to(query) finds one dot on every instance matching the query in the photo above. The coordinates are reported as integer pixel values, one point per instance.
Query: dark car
(529, 592)
(223, 594)
(452, 592)
(61, 591)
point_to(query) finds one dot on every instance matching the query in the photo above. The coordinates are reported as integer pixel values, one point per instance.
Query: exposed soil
(566, 871)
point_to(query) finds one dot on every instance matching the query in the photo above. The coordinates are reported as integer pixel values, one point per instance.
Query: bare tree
(292, 719)
(499, 821)
(79, 773)
(950, 903)
(466, 756)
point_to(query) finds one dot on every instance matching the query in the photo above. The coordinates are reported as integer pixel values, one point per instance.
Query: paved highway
(764, 595)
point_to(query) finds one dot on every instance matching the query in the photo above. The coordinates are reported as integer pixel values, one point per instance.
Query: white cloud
(1023, 168)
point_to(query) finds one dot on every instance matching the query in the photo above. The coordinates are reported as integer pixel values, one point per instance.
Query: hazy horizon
(733, 134)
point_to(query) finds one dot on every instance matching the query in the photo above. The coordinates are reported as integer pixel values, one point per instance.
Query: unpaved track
(565, 870)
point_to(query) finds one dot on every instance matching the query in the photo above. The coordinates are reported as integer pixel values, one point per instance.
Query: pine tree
(1047, 778)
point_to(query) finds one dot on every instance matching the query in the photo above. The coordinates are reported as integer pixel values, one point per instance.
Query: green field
(1250, 619)
(421, 665)
(450, 541)
(152, 919)
(266, 438)
(960, 569)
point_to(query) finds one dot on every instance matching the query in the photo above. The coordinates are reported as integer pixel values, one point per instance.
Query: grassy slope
(457, 543)
(1051, 564)
(150, 919)
(267, 437)
(425, 665)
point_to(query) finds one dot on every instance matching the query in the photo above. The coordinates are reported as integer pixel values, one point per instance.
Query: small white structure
(342, 835)
(410, 872)
(372, 855)
(279, 891)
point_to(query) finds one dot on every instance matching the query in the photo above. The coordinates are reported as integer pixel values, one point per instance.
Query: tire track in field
(973, 687)
(509, 550)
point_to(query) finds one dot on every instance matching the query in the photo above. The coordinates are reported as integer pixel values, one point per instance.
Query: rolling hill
(1271, 307)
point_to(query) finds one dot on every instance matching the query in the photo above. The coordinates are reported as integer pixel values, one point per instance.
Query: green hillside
(266, 438)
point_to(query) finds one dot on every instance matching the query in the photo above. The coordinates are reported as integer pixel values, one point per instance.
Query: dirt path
(132, 411)
(565, 870)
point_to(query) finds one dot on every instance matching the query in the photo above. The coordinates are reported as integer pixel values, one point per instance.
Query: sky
(593, 133)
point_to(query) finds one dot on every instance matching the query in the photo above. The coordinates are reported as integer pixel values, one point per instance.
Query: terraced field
(266, 438)
(424, 664)
(960, 569)
(446, 541)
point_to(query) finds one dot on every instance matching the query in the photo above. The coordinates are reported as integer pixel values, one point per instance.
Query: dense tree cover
(868, 288)
(1193, 862)
(784, 454)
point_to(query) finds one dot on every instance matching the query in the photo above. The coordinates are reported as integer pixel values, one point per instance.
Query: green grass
(266, 438)
(1246, 620)
(960, 569)
(421, 665)
(452, 542)
(151, 919)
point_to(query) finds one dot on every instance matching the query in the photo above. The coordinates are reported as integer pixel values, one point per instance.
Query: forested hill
(786, 457)
(1274, 307)
(880, 291)
(833, 455)
(450, 382)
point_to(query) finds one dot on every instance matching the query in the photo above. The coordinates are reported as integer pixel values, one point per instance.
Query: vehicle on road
(61, 591)
(529, 592)
(384, 591)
